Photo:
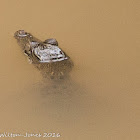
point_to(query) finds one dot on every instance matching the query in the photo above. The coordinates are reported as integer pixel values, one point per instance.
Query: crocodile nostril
(21, 33)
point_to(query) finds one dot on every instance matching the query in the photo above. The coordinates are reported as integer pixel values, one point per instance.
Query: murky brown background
(102, 99)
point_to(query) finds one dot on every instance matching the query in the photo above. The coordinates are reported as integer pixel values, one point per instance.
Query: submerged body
(46, 56)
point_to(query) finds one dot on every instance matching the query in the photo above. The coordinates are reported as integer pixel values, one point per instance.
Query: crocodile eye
(51, 41)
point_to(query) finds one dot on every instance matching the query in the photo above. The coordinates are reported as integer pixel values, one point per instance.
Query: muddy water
(101, 99)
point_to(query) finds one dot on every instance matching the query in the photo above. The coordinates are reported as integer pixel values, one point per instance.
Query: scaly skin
(52, 62)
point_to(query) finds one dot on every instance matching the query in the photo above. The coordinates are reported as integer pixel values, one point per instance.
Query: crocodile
(46, 55)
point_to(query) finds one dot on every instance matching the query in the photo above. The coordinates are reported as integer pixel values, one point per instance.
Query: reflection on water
(100, 99)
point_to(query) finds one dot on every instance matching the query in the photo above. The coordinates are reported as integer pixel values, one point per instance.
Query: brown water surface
(101, 101)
